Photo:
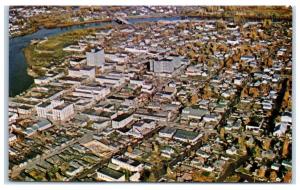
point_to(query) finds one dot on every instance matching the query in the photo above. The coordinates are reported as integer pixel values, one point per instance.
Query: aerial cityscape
(150, 94)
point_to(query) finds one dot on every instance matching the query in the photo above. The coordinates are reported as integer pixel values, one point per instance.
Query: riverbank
(42, 56)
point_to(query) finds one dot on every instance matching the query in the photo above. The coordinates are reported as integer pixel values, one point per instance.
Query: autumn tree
(129, 149)
(267, 143)
(267, 23)
(273, 176)
(262, 171)
(288, 177)
(194, 99)
(222, 133)
(285, 148)
(152, 177)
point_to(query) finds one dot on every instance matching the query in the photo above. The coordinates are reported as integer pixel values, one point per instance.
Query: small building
(72, 171)
(127, 163)
(108, 174)
(12, 138)
(187, 136)
(43, 124)
(122, 120)
(84, 71)
(194, 113)
(167, 132)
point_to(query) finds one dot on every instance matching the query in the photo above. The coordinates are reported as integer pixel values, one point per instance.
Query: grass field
(42, 54)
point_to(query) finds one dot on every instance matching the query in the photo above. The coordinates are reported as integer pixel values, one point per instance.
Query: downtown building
(95, 57)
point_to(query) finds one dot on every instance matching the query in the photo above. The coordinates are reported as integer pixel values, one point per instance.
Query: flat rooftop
(122, 117)
(183, 134)
(63, 106)
(128, 161)
(110, 172)
(44, 104)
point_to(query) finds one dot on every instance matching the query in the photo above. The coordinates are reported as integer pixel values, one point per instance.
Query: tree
(273, 176)
(253, 92)
(194, 99)
(257, 151)
(152, 178)
(285, 148)
(129, 149)
(267, 23)
(156, 148)
(267, 143)
(242, 144)
(222, 133)
(170, 173)
(220, 24)
(288, 177)
(262, 171)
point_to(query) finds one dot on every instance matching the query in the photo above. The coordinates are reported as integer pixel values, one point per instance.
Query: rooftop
(110, 172)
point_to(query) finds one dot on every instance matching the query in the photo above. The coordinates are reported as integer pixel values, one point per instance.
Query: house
(12, 117)
(247, 58)
(101, 124)
(280, 129)
(286, 117)
(135, 177)
(167, 151)
(232, 151)
(275, 166)
(42, 80)
(269, 154)
(254, 128)
(202, 154)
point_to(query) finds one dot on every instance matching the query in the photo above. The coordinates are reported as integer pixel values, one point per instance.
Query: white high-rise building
(165, 65)
(95, 57)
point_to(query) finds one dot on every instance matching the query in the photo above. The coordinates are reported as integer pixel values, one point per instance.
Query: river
(19, 80)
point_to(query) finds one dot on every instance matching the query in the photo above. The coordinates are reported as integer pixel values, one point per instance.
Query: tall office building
(165, 65)
(95, 57)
